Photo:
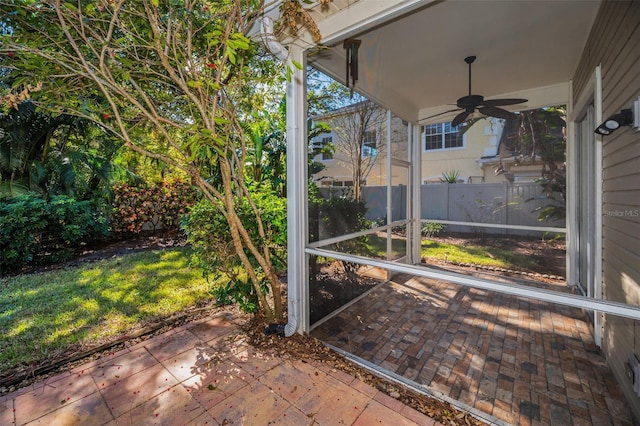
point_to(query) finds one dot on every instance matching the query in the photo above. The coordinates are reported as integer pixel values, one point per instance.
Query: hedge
(161, 206)
(34, 231)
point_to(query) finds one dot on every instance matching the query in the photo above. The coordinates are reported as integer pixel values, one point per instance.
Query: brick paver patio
(520, 361)
(203, 373)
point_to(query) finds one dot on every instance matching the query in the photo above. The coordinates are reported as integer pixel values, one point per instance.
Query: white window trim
(366, 147)
(320, 141)
(591, 94)
(425, 150)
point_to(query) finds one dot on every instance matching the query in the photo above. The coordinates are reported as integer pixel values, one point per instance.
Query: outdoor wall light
(611, 124)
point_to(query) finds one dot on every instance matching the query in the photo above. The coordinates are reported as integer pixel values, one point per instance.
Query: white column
(297, 216)
(415, 157)
(597, 273)
(389, 191)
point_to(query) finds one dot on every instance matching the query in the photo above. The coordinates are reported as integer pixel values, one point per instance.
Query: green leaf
(70, 6)
(296, 64)
(206, 133)
(221, 121)
(194, 84)
(156, 3)
(232, 56)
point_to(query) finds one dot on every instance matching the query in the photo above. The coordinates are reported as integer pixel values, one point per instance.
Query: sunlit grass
(476, 255)
(44, 315)
(372, 246)
(376, 246)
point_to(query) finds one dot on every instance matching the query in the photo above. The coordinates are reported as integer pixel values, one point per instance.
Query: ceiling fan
(468, 104)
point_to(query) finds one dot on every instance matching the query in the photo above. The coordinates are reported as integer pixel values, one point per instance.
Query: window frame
(324, 140)
(369, 145)
(442, 133)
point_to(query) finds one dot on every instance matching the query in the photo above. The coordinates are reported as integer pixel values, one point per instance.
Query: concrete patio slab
(202, 373)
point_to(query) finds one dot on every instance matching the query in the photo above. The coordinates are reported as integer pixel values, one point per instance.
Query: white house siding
(614, 43)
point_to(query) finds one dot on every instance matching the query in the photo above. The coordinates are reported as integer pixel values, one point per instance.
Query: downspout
(296, 224)
(269, 40)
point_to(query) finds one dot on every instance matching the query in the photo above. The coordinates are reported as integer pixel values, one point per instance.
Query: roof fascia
(363, 16)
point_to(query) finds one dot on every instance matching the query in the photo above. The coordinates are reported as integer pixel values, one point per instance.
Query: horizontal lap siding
(602, 37)
(615, 44)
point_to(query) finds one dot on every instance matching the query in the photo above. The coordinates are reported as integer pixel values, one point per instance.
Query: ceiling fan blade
(438, 115)
(501, 102)
(495, 112)
(460, 118)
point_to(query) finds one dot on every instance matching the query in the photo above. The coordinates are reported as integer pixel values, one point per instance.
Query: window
(370, 146)
(441, 136)
(336, 183)
(326, 140)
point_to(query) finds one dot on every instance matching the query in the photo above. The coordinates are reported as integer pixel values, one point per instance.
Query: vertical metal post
(415, 158)
(297, 214)
(389, 191)
(597, 273)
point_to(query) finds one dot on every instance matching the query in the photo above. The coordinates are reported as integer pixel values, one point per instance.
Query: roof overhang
(411, 59)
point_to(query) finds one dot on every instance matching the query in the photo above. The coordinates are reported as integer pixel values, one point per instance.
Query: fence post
(448, 199)
(507, 207)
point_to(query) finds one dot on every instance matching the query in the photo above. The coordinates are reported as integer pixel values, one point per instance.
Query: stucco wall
(615, 44)
(480, 140)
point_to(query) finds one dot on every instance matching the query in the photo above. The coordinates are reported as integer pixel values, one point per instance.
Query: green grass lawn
(44, 315)
(476, 255)
(376, 246)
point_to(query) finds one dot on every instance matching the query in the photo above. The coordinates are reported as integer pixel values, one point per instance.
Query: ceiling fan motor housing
(468, 104)
(470, 101)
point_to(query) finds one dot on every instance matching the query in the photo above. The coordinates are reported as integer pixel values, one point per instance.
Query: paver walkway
(521, 361)
(203, 373)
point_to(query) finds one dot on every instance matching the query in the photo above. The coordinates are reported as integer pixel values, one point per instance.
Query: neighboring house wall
(481, 140)
(338, 168)
(614, 43)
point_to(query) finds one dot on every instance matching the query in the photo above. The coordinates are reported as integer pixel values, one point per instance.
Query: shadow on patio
(520, 361)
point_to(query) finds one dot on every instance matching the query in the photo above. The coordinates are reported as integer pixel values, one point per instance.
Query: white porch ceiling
(413, 63)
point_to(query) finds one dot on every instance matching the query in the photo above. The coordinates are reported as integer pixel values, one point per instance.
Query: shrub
(38, 232)
(335, 217)
(208, 232)
(450, 176)
(159, 206)
(432, 229)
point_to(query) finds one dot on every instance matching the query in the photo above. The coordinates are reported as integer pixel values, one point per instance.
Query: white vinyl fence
(492, 203)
